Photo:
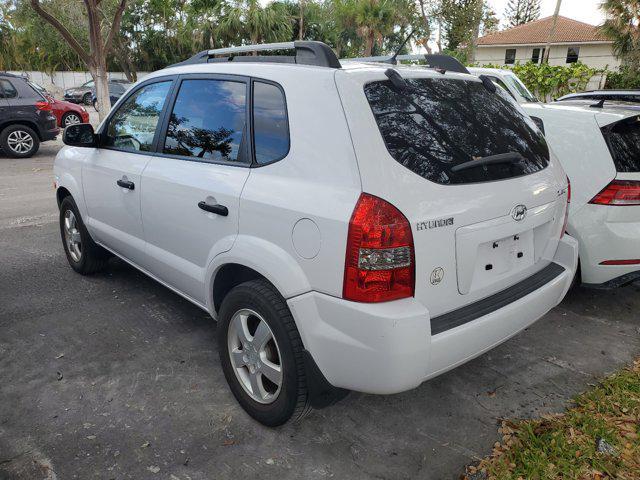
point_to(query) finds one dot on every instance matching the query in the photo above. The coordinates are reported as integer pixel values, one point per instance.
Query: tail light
(379, 264)
(621, 262)
(566, 212)
(619, 192)
(44, 106)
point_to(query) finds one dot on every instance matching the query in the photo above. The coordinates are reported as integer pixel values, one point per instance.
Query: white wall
(60, 81)
(593, 55)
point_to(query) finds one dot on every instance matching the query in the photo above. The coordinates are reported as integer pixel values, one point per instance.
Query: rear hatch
(471, 173)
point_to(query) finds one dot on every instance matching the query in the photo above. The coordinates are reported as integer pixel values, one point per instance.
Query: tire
(95, 105)
(86, 99)
(70, 118)
(88, 257)
(19, 141)
(261, 302)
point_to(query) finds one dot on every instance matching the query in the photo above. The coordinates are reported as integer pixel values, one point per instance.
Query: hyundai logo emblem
(519, 212)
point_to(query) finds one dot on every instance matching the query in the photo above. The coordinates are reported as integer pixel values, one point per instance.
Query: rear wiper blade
(509, 157)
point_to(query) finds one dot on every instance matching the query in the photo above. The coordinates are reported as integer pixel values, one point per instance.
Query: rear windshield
(436, 124)
(623, 139)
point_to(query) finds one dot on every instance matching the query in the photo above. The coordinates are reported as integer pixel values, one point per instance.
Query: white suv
(363, 228)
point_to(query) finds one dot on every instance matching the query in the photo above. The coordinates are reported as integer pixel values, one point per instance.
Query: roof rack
(306, 53)
(437, 61)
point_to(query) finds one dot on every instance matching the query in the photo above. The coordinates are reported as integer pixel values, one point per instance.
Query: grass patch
(598, 438)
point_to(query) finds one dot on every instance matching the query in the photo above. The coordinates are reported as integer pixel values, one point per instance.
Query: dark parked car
(597, 95)
(26, 117)
(84, 93)
(116, 90)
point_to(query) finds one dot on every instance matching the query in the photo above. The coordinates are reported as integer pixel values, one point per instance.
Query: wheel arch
(26, 123)
(250, 258)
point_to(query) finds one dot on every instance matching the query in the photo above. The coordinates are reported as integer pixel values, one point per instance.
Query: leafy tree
(623, 27)
(519, 12)
(248, 20)
(464, 21)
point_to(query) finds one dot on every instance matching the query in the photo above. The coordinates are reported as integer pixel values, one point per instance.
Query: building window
(537, 55)
(510, 56)
(572, 54)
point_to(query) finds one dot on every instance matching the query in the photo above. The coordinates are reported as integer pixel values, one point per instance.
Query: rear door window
(208, 121)
(436, 124)
(623, 139)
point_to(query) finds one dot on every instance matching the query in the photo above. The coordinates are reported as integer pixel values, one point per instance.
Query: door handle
(126, 184)
(217, 209)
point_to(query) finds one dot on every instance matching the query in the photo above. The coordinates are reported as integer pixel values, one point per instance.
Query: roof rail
(437, 61)
(306, 53)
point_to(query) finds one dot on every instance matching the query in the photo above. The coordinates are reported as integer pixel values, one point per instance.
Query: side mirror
(80, 135)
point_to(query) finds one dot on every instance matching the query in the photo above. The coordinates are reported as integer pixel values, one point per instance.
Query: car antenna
(600, 104)
(393, 60)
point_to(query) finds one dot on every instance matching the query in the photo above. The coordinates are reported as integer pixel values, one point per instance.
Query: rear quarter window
(436, 124)
(623, 139)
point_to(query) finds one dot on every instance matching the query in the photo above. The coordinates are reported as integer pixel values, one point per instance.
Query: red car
(66, 113)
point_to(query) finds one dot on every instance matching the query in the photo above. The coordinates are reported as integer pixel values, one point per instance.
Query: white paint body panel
(336, 153)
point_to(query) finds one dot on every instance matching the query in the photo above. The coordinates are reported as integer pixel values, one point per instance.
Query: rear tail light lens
(621, 262)
(44, 106)
(379, 264)
(619, 192)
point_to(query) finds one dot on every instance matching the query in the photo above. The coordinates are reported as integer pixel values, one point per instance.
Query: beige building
(573, 41)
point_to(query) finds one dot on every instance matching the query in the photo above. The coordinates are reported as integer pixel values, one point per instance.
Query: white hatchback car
(363, 228)
(599, 148)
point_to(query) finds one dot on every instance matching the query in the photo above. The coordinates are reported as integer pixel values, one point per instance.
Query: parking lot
(114, 376)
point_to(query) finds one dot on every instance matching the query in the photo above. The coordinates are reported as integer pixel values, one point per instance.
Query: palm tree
(623, 27)
(248, 20)
(375, 19)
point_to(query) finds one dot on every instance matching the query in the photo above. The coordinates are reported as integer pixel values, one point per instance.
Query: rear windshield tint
(623, 139)
(436, 124)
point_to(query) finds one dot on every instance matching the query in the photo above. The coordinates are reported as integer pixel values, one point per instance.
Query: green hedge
(623, 79)
(550, 81)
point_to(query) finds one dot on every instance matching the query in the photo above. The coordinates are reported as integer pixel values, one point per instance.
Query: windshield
(89, 84)
(519, 87)
(435, 124)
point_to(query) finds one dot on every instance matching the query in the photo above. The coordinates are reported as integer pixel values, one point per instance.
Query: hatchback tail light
(44, 106)
(619, 192)
(379, 264)
(635, 261)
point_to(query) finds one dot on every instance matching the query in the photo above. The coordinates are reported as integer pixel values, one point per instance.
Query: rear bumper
(388, 347)
(607, 233)
(49, 134)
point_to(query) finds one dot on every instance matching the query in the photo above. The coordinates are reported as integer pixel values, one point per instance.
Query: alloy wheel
(72, 236)
(255, 356)
(20, 142)
(71, 119)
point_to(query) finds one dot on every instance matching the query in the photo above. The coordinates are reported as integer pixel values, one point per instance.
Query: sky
(584, 10)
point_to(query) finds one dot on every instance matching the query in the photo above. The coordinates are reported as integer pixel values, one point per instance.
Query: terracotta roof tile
(567, 31)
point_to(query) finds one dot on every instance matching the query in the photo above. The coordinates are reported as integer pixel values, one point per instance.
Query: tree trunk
(96, 58)
(477, 20)
(427, 27)
(370, 40)
(301, 26)
(547, 50)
